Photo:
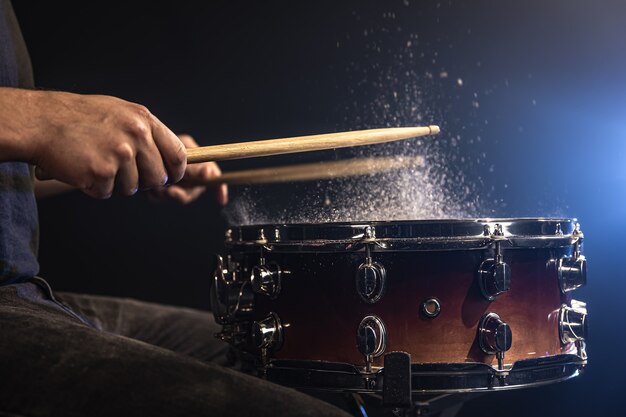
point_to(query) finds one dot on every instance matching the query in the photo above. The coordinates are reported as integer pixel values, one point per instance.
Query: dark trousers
(94, 356)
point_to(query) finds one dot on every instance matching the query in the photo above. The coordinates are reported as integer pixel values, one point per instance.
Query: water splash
(397, 81)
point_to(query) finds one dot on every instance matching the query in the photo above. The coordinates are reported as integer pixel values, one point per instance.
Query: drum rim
(427, 234)
(430, 377)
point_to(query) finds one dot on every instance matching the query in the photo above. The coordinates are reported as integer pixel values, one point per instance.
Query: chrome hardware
(277, 234)
(573, 322)
(371, 278)
(577, 232)
(431, 307)
(420, 235)
(370, 281)
(268, 333)
(371, 338)
(235, 334)
(494, 336)
(228, 235)
(558, 231)
(494, 276)
(266, 279)
(573, 270)
(369, 233)
(572, 273)
(431, 378)
(229, 297)
(261, 240)
(497, 230)
(219, 296)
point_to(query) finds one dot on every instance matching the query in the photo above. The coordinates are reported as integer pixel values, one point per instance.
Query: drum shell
(320, 308)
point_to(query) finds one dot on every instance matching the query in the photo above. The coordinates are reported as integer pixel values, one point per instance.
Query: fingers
(199, 174)
(221, 195)
(183, 195)
(187, 140)
(101, 188)
(192, 185)
(152, 172)
(127, 179)
(172, 150)
(102, 144)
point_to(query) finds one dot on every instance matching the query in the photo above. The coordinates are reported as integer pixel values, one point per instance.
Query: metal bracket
(397, 380)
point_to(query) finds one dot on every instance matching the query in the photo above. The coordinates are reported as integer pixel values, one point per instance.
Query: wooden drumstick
(305, 143)
(318, 170)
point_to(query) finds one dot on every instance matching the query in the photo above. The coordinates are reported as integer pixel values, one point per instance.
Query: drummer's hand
(191, 186)
(99, 144)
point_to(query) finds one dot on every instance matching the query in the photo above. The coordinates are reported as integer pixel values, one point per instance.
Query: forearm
(19, 125)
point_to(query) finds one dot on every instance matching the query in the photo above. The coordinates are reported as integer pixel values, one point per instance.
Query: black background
(543, 86)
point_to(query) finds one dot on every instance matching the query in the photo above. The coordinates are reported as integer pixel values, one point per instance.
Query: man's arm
(99, 144)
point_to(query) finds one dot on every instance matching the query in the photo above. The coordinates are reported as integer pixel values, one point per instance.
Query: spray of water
(398, 82)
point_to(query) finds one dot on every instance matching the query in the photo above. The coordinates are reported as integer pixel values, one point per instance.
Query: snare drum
(435, 306)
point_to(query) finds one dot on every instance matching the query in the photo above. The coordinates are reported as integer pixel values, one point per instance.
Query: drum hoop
(449, 234)
(429, 378)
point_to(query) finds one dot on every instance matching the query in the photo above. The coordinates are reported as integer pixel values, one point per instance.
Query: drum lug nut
(573, 322)
(370, 278)
(371, 339)
(572, 273)
(230, 298)
(370, 281)
(266, 280)
(494, 336)
(494, 276)
(268, 332)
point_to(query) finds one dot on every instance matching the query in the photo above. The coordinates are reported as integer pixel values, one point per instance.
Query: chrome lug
(268, 333)
(230, 298)
(370, 281)
(371, 337)
(572, 273)
(494, 278)
(573, 322)
(494, 335)
(266, 280)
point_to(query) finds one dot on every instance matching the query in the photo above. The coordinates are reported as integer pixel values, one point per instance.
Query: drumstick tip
(434, 129)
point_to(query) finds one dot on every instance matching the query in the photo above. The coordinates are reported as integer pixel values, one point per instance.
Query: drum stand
(442, 405)
(398, 399)
(399, 396)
